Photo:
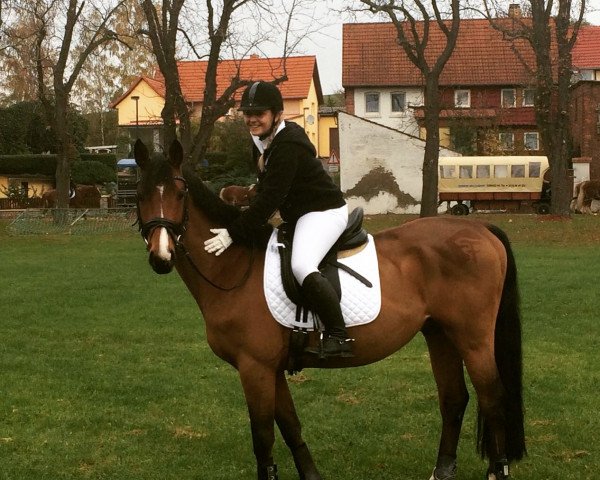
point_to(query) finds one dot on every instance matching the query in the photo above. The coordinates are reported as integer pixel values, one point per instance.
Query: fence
(73, 221)
(18, 203)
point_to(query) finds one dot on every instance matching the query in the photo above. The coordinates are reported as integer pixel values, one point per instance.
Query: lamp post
(136, 99)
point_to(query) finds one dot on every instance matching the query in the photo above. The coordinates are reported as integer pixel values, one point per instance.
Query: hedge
(46, 164)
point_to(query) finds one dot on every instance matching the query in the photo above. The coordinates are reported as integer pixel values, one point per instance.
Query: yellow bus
(509, 183)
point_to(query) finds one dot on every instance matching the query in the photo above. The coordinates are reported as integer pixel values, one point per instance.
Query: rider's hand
(219, 243)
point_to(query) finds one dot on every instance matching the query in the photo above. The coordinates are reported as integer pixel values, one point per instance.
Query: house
(139, 108)
(486, 92)
(585, 105)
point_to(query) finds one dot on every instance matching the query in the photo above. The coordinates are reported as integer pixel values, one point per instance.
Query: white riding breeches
(315, 234)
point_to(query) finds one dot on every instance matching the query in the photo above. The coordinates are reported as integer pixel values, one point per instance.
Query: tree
(550, 30)
(218, 34)
(62, 34)
(416, 22)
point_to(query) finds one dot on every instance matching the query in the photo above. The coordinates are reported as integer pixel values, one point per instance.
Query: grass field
(105, 372)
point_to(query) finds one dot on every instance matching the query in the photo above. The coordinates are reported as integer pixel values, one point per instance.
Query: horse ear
(140, 153)
(176, 154)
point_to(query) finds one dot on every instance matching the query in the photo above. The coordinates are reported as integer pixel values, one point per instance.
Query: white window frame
(378, 111)
(504, 144)
(458, 104)
(503, 102)
(525, 104)
(396, 112)
(537, 140)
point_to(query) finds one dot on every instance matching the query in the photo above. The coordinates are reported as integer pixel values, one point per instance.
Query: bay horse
(81, 196)
(454, 280)
(238, 195)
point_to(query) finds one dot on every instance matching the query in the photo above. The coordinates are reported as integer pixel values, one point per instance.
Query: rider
(292, 180)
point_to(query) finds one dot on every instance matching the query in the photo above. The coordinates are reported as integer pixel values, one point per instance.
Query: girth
(353, 236)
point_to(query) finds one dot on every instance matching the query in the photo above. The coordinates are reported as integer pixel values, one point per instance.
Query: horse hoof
(436, 475)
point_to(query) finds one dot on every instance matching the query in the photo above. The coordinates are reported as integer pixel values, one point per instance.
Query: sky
(327, 46)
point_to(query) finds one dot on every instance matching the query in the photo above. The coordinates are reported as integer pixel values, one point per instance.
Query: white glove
(219, 243)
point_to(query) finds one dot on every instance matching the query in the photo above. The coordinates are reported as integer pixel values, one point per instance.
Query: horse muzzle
(161, 246)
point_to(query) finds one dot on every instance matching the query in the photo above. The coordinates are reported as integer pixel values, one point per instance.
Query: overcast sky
(327, 46)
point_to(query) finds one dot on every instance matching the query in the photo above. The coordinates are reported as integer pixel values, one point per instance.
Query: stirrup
(332, 346)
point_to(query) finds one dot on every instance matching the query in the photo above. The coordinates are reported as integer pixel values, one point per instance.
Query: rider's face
(259, 122)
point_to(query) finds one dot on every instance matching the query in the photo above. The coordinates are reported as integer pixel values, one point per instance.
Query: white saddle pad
(360, 304)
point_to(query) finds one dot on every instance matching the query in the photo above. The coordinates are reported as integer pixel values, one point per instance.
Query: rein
(176, 231)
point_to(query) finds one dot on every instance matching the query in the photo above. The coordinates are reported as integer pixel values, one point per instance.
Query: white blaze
(163, 239)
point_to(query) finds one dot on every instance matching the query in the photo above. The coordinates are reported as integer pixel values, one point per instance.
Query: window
(517, 171)
(501, 171)
(447, 171)
(531, 140)
(509, 97)
(507, 140)
(535, 169)
(465, 171)
(483, 171)
(528, 97)
(462, 98)
(398, 102)
(372, 102)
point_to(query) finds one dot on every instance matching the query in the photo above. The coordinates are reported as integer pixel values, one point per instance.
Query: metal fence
(38, 221)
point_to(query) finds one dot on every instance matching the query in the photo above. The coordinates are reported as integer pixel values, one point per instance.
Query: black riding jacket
(293, 182)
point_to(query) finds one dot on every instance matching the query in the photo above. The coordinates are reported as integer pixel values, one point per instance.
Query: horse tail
(508, 354)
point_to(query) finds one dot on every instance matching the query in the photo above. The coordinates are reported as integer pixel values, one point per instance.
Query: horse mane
(207, 200)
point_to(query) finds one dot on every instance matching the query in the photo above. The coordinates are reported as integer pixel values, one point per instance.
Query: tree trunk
(429, 193)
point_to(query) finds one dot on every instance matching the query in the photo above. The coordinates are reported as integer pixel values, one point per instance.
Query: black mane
(208, 201)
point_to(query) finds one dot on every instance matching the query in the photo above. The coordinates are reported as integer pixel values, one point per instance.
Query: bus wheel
(542, 209)
(459, 209)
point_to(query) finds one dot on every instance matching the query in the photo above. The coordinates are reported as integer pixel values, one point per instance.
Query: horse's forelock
(158, 172)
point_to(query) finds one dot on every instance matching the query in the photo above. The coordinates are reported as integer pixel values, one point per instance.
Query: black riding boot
(323, 300)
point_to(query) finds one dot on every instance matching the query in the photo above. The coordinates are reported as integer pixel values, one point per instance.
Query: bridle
(174, 229)
(177, 230)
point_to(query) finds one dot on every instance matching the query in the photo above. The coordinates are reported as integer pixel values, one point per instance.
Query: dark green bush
(28, 164)
(91, 173)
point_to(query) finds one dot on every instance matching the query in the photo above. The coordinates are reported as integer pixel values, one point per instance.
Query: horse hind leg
(291, 430)
(453, 396)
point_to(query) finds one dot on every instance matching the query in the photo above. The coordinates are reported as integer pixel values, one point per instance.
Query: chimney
(514, 10)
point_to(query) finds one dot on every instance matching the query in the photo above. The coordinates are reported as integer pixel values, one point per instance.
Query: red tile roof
(300, 72)
(372, 57)
(586, 53)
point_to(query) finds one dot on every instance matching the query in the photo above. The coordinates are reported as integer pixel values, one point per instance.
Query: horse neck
(225, 270)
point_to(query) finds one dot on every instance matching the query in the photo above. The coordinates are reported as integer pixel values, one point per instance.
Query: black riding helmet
(261, 96)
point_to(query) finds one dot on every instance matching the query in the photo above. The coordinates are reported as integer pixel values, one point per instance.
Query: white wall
(380, 168)
(403, 121)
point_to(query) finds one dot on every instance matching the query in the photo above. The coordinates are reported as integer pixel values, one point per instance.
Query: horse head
(161, 204)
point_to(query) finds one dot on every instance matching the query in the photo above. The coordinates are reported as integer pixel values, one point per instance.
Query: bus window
(517, 171)
(501, 171)
(534, 169)
(447, 171)
(465, 171)
(483, 171)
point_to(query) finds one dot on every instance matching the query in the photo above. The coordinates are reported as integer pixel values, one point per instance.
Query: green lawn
(105, 372)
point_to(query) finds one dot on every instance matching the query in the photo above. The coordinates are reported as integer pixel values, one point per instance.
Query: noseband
(175, 230)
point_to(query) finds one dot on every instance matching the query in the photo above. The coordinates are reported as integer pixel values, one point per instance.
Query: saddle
(353, 237)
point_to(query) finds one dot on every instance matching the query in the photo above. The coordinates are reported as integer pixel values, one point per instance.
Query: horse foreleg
(258, 382)
(291, 430)
(446, 364)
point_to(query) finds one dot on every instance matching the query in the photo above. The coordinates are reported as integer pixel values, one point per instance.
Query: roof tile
(372, 57)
